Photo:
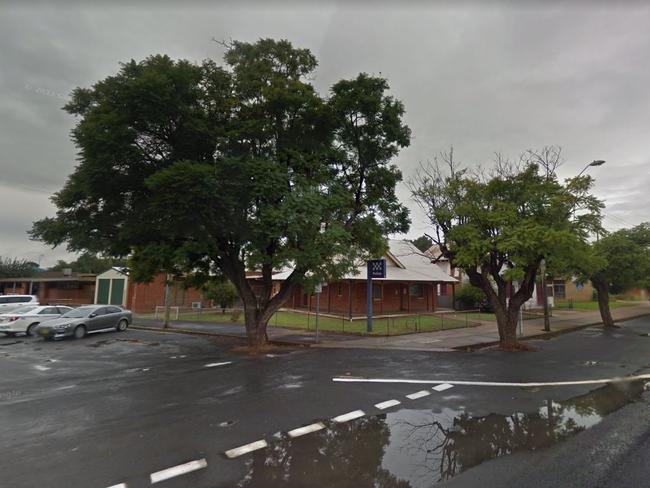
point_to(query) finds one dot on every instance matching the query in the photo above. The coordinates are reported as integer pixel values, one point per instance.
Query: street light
(597, 162)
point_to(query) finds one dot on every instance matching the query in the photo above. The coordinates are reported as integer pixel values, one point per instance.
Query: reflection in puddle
(417, 448)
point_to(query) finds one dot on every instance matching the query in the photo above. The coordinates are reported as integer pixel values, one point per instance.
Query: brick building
(114, 287)
(53, 287)
(412, 285)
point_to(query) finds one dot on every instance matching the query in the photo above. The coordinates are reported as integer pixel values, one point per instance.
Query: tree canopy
(423, 243)
(88, 263)
(498, 226)
(220, 169)
(16, 268)
(617, 262)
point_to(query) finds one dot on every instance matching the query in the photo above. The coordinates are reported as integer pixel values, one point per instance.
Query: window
(112, 310)
(416, 290)
(376, 292)
(443, 288)
(559, 289)
(49, 311)
(100, 311)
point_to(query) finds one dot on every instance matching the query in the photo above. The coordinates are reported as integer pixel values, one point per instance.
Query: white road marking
(387, 404)
(418, 394)
(349, 416)
(212, 365)
(121, 485)
(443, 387)
(253, 446)
(494, 383)
(307, 429)
(168, 473)
(41, 368)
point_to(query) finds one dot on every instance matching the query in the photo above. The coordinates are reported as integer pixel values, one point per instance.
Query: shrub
(234, 316)
(468, 296)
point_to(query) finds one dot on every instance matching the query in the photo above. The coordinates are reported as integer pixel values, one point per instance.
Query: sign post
(376, 269)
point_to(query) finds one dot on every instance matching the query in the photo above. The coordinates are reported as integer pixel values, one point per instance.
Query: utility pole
(547, 323)
(168, 301)
(318, 289)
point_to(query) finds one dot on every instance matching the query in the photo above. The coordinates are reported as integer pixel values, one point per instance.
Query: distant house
(63, 287)
(411, 285)
(114, 287)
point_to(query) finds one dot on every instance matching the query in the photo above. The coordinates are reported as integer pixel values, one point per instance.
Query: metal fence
(386, 325)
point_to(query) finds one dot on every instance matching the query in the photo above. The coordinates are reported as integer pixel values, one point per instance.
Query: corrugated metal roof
(404, 262)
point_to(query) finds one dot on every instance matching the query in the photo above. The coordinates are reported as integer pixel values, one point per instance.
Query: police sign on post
(377, 268)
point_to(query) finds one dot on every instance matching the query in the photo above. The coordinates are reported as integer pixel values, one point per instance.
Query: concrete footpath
(487, 334)
(443, 340)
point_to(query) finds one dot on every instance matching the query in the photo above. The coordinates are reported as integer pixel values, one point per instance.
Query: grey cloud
(483, 77)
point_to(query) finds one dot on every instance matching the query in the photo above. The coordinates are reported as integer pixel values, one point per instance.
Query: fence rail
(386, 325)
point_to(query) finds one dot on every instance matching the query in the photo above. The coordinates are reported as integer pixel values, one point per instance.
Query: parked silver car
(26, 319)
(9, 303)
(83, 320)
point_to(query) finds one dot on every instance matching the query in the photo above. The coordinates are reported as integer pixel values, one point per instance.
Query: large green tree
(219, 169)
(498, 225)
(617, 262)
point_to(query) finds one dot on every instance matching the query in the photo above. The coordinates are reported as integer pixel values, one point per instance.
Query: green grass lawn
(564, 305)
(381, 326)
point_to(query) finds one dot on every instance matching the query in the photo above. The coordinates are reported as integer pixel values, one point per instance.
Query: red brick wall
(84, 295)
(145, 297)
(390, 302)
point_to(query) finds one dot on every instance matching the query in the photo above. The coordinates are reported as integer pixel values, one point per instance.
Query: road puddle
(419, 448)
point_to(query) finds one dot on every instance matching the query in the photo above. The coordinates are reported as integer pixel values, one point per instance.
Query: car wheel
(79, 332)
(122, 325)
(31, 330)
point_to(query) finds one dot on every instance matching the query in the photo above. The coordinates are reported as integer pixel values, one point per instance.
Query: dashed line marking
(443, 387)
(212, 365)
(307, 429)
(120, 485)
(387, 404)
(41, 368)
(418, 394)
(619, 379)
(349, 416)
(246, 448)
(172, 472)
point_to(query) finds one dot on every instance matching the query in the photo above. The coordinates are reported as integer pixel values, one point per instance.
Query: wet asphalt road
(115, 408)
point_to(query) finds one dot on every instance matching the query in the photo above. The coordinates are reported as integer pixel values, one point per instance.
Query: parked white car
(12, 302)
(25, 319)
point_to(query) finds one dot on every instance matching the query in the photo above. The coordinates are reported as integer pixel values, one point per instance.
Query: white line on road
(443, 387)
(168, 473)
(41, 368)
(212, 365)
(349, 416)
(418, 394)
(387, 404)
(307, 429)
(253, 446)
(121, 485)
(494, 383)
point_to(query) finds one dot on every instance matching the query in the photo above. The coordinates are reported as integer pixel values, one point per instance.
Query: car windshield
(78, 312)
(20, 310)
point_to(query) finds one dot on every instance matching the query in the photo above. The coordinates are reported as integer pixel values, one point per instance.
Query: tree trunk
(603, 304)
(507, 325)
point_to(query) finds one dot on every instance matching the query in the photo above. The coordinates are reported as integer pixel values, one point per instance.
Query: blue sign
(377, 268)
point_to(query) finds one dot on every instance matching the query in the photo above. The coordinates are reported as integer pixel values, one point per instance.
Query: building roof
(404, 262)
(50, 276)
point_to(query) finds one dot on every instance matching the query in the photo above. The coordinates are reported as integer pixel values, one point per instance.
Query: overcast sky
(483, 78)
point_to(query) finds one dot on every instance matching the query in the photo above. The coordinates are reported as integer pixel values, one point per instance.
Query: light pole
(597, 162)
(547, 323)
